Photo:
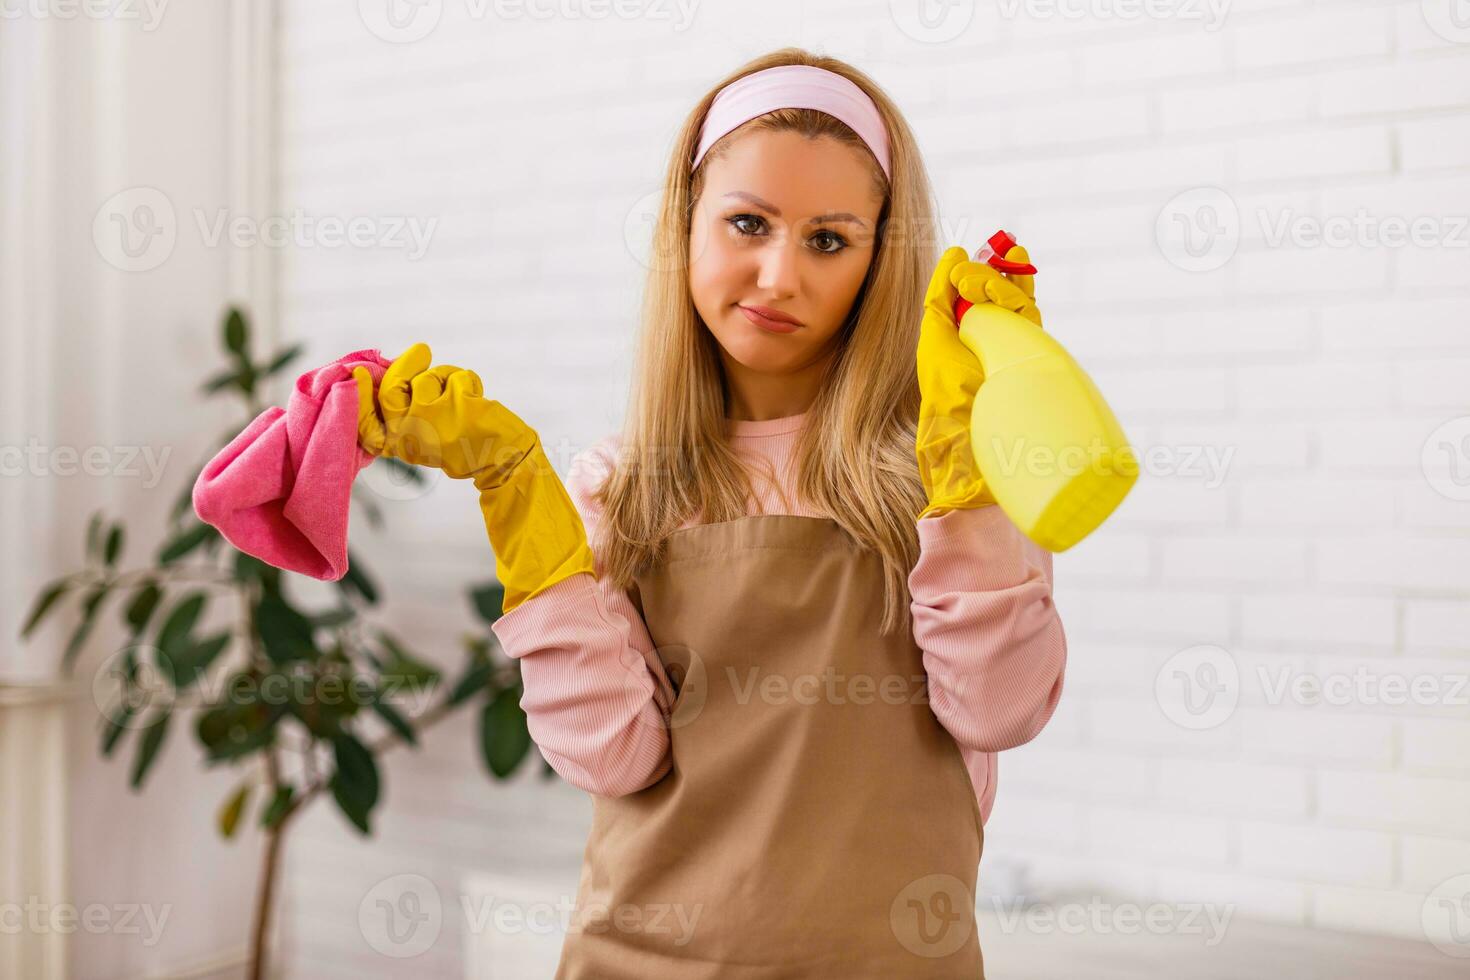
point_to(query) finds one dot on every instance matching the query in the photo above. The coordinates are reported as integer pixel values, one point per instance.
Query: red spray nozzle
(993, 254)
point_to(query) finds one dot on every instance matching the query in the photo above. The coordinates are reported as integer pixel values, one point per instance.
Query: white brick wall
(1316, 372)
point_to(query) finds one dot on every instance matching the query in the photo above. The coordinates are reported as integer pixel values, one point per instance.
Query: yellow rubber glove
(439, 417)
(950, 374)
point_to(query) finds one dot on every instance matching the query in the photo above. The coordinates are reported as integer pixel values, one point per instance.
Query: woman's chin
(766, 355)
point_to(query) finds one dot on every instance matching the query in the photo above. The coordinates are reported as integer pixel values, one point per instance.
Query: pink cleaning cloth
(281, 489)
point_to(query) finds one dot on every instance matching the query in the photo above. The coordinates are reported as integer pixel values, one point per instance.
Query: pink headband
(794, 87)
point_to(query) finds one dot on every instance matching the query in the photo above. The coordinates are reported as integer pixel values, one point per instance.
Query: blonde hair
(855, 457)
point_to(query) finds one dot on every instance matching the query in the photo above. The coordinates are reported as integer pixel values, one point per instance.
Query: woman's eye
(832, 237)
(737, 219)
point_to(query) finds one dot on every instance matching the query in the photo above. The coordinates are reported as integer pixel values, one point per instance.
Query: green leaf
(396, 650)
(504, 737)
(184, 502)
(474, 679)
(352, 809)
(94, 598)
(395, 720)
(220, 381)
(248, 569)
(355, 767)
(185, 542)
(181, 620)
(229, 814)
(43, 605)
(276, 809)
(141, 605)
(323, 705)
(356, 580)
(173, 637)
(282, 359)
(401, 668)
(236, 333)
(113, 550)
(148, 746)
(284, 631)
(241, 723)
(130, 665)
(355, 783)
(488, 601)
(246, 379)
(94, 535)
(115, 725)
(90, 605)
(230, 735)
(195, 662)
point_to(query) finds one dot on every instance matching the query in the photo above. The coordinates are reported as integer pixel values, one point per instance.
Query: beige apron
(818, 821)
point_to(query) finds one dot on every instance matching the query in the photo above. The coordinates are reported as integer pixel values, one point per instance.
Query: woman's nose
(778, 273)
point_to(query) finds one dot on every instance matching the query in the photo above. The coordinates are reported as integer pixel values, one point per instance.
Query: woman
(805, 628)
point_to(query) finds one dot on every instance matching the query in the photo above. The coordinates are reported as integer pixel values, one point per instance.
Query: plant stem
(271, 861)
(259, 949)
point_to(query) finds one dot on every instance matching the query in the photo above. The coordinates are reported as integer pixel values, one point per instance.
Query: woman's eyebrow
(775, 211)
(840, 216)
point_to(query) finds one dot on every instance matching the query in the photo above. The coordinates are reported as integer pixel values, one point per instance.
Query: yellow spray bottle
(1049, 447)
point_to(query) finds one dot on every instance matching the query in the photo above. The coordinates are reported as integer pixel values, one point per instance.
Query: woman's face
(784, 223)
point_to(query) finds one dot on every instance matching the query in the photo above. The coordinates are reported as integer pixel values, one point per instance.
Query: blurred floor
(1249, 948)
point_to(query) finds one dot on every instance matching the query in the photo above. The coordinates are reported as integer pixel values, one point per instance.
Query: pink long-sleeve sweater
(983, 616)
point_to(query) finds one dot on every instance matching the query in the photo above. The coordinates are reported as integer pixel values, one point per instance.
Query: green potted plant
(321, 685)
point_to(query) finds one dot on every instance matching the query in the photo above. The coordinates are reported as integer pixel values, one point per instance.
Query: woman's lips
(766, 323)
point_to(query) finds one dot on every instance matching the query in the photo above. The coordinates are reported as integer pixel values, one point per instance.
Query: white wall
(1327, 550)
(1319, 373)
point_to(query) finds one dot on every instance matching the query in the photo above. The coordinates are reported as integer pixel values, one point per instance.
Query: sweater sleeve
(992, 642)
(595, 694)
